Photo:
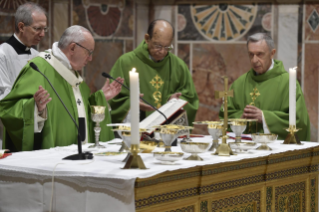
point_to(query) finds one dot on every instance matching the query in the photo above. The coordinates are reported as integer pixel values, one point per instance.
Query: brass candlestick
(134, 161)
(292, 138)
(224, 149)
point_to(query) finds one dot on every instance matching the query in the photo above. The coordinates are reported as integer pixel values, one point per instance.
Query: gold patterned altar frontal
(272, 183)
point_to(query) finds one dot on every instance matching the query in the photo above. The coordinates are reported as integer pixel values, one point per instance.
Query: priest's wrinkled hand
(252, 112)
(111, 90)
(144, 106)
(41, 98)
(175, 96)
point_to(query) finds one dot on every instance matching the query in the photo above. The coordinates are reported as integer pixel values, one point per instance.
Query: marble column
(287, 49)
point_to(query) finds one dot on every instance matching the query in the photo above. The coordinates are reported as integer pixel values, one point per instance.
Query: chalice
(97, 115)
(238, 126)
(215, 129)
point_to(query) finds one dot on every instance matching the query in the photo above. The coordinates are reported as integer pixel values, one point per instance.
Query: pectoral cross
(79, 102)
(224, 148)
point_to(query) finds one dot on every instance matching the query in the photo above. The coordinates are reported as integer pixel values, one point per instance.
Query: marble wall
(211, 39)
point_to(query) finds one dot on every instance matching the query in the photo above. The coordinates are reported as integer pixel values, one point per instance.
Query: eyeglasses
(166, 48)
(90, 52)
(39, 29)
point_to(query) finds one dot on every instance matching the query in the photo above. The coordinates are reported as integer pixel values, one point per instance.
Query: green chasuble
(158, 81)
(17, 111)
(270, 93)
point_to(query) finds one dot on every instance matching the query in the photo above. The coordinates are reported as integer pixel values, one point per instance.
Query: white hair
(24, 14)
(73, 34)
(262, 36)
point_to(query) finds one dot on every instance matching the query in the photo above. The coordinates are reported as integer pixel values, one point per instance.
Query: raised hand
(111, 90)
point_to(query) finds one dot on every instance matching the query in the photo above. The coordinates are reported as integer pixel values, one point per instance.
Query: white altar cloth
(91, 185)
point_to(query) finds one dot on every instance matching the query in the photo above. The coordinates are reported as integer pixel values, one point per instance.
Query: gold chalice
(97, 115)
(238, 126)
(215, 130)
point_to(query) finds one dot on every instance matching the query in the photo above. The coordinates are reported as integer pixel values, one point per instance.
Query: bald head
(160, 27)
(159, 38)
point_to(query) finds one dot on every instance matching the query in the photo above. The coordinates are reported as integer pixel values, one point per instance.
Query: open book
(172, 110)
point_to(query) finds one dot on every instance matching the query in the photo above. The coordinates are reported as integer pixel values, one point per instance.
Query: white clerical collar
(272, 64)
(16, 37)
(56, 51)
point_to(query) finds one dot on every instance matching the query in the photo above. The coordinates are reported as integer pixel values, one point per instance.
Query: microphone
(80, 155)
(106, 75)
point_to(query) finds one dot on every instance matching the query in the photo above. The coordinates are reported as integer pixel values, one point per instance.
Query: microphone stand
(80, 155)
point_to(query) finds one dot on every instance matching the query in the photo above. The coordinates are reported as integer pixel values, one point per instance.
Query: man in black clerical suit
(30, 28)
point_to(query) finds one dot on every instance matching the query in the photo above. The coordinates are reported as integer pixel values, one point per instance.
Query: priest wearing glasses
(162, 75)
(32, 114)
(30, 28)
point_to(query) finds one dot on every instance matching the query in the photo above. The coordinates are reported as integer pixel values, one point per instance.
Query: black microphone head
(106, 75)
(34, 66)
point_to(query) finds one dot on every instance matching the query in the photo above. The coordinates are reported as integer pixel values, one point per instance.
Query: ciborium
(170, 132)
(194, 148)
(264, 139)
(97, 116)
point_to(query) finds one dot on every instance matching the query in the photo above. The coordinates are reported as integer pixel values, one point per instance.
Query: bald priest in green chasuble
(32, 114)
(263, 93)
(162, 75)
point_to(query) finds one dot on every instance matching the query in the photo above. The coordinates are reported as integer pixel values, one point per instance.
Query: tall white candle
(292, 96)
(135, 107)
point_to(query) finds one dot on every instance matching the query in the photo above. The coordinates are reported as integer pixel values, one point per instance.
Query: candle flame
(134, 70)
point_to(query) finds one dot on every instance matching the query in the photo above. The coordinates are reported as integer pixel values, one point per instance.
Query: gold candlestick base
(292, 138)
(134, 161)
(224, 148)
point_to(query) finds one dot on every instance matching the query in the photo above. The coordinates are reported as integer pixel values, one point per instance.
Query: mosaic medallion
(223, 22)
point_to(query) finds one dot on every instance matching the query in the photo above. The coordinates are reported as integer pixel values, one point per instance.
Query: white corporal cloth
(91, 185)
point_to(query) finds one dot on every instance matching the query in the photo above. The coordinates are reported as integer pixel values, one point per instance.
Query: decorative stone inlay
(313, 20)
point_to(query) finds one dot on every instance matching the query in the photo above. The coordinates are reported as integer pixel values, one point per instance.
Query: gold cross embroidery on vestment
(157, 83)
(254, 95)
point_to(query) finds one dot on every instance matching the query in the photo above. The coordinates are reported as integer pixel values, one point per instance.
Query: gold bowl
(264, 139)
(195, 148)
(168, 157)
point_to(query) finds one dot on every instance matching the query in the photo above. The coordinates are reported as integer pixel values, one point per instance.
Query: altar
(284, 179)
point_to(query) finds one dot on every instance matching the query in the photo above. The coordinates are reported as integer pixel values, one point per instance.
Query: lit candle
(292, 96)
(135, 107)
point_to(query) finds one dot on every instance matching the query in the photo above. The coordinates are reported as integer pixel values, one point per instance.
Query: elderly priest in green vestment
(32, 114)
(263, 93)
(162, 75)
